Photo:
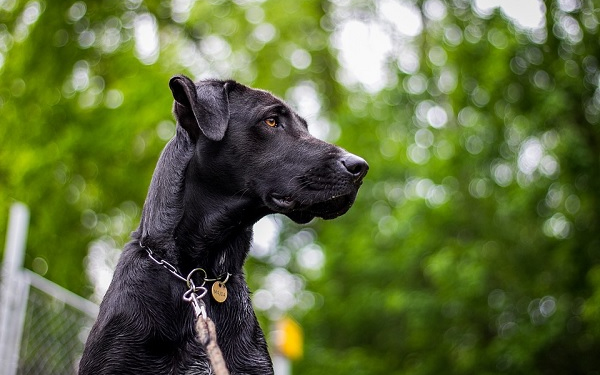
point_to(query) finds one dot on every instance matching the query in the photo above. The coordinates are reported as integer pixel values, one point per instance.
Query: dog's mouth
(302, 212)
(283, 202)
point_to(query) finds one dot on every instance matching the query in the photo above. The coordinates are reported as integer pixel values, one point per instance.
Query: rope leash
(205, 328)
(206, 331)
(207, 336)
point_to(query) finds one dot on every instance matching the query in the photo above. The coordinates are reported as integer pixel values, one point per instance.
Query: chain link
(161, 262)
(171, 268)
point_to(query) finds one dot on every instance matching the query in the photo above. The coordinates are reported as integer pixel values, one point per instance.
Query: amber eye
(271, 122)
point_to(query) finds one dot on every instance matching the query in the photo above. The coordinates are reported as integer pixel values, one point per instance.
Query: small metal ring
(226, 278)
(190, 282)
(191, 293)
(187, 296)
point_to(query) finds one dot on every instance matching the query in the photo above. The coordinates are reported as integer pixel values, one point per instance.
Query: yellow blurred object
(290, 338)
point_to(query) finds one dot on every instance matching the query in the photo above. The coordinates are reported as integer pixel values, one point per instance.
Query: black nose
(357, 166)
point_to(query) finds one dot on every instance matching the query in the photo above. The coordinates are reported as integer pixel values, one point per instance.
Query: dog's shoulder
(139, 320)
(138, 291)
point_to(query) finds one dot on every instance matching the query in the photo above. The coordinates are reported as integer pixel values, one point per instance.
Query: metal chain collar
(194, 294)
(171, 268)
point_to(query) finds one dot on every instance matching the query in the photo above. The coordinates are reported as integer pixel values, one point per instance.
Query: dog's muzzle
(323, 195)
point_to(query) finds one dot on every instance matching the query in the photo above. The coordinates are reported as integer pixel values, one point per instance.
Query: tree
(482, 241)
(473, 246)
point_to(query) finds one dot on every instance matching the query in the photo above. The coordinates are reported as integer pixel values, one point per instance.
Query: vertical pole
(14, 289)
(281, 365)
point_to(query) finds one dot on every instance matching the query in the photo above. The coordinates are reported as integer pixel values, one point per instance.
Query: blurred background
(474, 244)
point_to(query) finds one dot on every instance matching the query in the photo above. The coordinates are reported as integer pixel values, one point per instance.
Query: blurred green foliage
(474, 245)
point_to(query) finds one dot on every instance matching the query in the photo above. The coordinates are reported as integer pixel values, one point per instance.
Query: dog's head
(252, 145)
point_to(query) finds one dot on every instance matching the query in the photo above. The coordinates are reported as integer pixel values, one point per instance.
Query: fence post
(13, 297)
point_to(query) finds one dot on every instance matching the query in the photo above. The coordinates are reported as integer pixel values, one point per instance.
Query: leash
(205, 328)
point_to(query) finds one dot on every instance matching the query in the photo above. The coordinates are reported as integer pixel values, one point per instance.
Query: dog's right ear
(203, 108)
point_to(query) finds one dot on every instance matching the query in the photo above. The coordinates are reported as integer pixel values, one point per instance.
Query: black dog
(238, 155)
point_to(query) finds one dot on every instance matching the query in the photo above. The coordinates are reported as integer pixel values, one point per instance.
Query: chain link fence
(55, 326)
(54, 333)
(43, 327)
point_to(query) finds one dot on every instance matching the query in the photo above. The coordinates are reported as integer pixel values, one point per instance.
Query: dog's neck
(218, 241)
(216, 237)
(181, 224)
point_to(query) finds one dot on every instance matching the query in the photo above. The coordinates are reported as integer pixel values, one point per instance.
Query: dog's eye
(272, 122)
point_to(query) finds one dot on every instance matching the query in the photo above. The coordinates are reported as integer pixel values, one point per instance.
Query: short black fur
(238, 155)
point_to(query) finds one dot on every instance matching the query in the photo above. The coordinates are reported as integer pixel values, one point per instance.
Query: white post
(13, 295)
(281, 365)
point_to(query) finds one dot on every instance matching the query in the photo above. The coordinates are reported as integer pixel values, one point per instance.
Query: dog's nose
(357, 166)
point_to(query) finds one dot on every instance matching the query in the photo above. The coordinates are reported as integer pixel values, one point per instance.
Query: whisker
(243, 191)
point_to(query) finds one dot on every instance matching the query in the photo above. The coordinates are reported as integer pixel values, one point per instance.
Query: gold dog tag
(219, 291)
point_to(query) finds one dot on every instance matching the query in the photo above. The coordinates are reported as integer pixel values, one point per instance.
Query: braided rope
(207, 337)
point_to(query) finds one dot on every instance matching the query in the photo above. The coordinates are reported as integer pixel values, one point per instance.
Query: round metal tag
(219, 291)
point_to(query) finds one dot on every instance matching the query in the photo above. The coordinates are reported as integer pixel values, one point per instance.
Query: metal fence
(42, 326)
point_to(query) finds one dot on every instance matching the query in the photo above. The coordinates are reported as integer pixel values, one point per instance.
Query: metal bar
(13, 298)
(62, 294)
(22, 292)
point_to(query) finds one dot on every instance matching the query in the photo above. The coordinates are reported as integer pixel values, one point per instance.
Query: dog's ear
(202, 108)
